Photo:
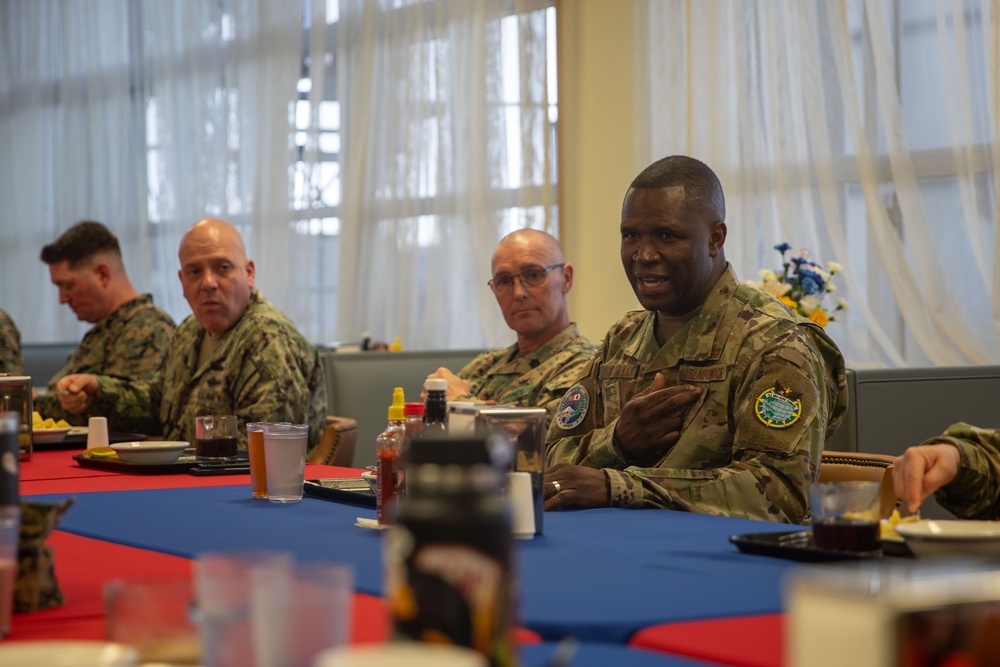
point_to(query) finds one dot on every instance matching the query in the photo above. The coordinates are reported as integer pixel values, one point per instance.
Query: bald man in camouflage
(236, 354)
(715, 398)
(530, 281)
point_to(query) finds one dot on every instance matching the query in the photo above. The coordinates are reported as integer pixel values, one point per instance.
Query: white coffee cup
(97, 432)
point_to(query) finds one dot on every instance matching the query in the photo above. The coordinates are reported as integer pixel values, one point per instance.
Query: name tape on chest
(573, 407)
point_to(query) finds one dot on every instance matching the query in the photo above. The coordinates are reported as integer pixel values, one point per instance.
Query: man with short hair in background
(130, 333)
(10, 346)
(530, 280)
(237, 354)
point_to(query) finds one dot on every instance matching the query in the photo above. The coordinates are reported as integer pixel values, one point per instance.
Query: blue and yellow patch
(573, 407)
(777, 409)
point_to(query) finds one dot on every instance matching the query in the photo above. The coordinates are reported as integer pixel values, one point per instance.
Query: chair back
(336, 445)
(860, 467)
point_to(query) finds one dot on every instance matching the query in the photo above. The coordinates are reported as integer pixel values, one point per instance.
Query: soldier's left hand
(569, 485)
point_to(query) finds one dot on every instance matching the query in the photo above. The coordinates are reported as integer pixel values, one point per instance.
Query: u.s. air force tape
(573, 407)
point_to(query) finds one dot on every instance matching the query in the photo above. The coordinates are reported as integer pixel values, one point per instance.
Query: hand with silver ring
(555, 485)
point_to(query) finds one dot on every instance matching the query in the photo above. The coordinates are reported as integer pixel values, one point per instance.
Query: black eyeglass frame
(524, 283)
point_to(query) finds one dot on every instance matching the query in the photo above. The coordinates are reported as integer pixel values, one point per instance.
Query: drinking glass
(285, 461)
(217, 438)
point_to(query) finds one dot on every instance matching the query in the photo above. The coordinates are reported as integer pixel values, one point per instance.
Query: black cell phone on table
(211, 468)
(352, 490)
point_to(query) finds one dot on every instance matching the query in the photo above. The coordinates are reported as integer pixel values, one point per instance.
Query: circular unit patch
(573, 407)
(775, 410)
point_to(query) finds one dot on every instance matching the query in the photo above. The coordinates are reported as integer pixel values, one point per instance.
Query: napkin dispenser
(15, 396)
(524, 429)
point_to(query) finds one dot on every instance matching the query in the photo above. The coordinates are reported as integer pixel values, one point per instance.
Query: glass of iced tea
(216, 438)
(258, 473)
(846, 516)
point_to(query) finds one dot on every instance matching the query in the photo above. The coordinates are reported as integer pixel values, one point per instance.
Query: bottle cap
(411, 409)
(398, 401)
(436, 384)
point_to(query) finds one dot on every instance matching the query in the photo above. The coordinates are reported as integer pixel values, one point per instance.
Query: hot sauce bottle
(387, 448)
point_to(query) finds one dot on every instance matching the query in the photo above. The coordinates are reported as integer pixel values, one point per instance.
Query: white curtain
(147, 116)
(447, 146)
(863, 130)
(371, 151)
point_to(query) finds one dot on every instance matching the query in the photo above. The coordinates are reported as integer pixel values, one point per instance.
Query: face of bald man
(216, 275)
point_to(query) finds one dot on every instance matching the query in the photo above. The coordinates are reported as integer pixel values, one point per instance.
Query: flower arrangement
(801, 285)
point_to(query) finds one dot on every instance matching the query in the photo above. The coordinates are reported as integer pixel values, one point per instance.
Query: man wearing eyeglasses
(530, 281)
(714, 398)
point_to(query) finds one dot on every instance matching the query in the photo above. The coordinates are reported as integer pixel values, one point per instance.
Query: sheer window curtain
(147, 116)
(443, 153)
(865, 131)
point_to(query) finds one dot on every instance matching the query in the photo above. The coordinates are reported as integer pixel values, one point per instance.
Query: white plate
(46, 435)
(150, 451)
(952, 537)
(78, 430)
(67, 654)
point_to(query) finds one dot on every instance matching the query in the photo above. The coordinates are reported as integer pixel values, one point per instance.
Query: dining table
(648, 586)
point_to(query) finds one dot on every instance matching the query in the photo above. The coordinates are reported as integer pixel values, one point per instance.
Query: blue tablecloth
(598, 575)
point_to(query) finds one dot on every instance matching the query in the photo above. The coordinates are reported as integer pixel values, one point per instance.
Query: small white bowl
(951, 538)
(150, 451)
(47, 435)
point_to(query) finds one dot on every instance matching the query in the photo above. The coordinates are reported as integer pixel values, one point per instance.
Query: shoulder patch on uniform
(573, 407)
(777, 408)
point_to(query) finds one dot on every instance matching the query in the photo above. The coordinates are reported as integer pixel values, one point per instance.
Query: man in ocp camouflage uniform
(10, 346)
(237, 354)
(130, 334)
(716, 398)
(530, 280)
(961, 468)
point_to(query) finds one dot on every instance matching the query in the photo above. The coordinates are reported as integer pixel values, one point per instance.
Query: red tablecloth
(83, 565)
(57, 472)
(744, 641)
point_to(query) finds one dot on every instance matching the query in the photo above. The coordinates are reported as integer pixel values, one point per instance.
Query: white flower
(767, 275)
(834, 267)
(841, 304)
(809, 303)
(776, 289)
(830, 287)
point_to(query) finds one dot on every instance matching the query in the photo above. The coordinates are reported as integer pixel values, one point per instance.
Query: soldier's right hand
(650, 422)
(77, 392)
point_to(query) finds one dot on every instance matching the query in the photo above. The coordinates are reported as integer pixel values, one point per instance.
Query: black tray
(352, 490)
(179, 466)
(798, 545)
(80, 441)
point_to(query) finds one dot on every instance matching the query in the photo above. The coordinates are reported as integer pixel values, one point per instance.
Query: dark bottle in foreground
(450, 576)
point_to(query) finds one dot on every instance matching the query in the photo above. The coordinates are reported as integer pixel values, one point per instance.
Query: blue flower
(809, 286)
(783, 247)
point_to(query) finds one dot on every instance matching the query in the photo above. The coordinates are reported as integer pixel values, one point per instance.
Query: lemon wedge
(102, 453)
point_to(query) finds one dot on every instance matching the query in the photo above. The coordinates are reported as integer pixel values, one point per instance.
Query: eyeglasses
(533, 276)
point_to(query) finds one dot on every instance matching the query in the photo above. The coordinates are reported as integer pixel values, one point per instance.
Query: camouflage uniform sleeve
(10, 346)
(130, 405)
(273, 385)
(975, 491)
(588, 443)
